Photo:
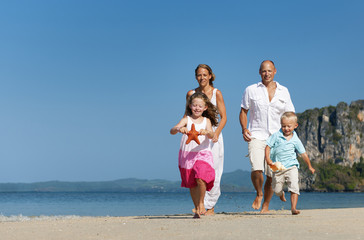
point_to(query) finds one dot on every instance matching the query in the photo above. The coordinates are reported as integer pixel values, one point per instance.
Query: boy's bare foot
(283, 199)
(295, 212)
(194, 210)
(257, 202)
(210, 212)
(196, 216)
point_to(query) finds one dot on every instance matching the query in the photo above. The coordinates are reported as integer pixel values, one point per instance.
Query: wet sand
(310, 224)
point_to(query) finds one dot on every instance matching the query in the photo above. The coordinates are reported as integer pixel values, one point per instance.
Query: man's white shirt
(264, 116)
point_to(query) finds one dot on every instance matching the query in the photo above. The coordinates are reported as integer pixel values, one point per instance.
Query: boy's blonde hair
(289, 115)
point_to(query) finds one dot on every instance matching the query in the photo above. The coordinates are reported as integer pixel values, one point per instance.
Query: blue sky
(90, 89)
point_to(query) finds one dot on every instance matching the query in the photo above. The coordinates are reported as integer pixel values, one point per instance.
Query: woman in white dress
(205, 78)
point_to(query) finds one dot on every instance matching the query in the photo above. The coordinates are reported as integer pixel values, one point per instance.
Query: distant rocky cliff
(332, 134)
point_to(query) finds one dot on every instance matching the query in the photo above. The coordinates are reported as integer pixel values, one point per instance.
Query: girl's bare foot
(295, 212)
(202, 210)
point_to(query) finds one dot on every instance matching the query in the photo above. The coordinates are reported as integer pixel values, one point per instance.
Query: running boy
(281, 148)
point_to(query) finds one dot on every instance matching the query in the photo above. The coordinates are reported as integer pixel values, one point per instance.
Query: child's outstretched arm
(208, 131)
(307, 161)
(180, 127)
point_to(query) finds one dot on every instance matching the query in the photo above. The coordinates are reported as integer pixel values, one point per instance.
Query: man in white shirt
(267, 101)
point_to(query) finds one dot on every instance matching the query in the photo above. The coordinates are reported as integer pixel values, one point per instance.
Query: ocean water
(140, 204)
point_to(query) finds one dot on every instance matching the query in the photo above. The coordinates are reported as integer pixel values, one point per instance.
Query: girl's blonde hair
(210, 112)
(207, 67)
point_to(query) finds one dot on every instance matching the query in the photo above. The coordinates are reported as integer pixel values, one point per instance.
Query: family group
(271, 138)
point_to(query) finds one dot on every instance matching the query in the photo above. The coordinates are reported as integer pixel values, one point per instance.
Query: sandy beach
(310, 224)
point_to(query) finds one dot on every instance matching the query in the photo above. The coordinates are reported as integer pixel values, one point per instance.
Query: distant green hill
(237, 181)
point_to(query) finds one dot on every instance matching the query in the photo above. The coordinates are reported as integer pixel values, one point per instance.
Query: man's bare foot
(257, 202)
(196, 216)
(283, 199)
(295, 212)
(210, 212)
(264, 209)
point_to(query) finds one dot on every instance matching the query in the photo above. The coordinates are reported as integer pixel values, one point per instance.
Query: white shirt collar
(278, 85)
(282, 136)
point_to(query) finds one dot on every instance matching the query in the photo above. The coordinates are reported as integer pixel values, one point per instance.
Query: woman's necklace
(207, 92)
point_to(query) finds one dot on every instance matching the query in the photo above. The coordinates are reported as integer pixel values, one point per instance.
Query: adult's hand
(215, 138)
(243, 118)
(246, 135)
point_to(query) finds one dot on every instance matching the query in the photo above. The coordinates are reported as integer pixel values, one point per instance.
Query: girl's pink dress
(196, 161)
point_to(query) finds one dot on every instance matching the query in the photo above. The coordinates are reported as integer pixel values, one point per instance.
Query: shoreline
(116, 204)
(22, 218)
(338, 223)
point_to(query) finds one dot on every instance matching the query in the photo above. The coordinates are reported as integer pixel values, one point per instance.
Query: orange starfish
(193, 135)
